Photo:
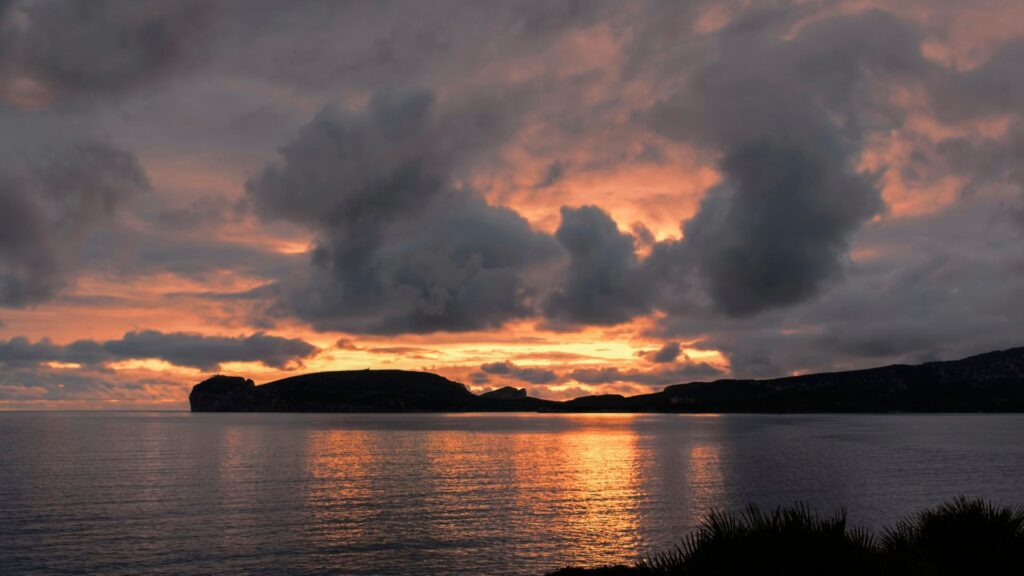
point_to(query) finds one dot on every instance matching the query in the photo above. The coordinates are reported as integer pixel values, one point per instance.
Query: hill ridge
(987, 382)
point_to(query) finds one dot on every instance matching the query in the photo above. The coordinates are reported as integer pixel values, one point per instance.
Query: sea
(182, 493)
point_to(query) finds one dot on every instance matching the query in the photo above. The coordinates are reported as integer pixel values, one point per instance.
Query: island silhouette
(991, 382)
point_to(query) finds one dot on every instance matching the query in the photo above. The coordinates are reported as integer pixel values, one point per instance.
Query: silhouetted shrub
(964, 537)
(791, 541)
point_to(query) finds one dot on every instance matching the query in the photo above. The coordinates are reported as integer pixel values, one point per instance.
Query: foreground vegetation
(961, 537)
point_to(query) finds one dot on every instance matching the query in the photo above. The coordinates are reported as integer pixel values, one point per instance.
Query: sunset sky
(569, 196)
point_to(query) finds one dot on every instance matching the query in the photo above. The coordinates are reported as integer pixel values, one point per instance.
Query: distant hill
(992, 382)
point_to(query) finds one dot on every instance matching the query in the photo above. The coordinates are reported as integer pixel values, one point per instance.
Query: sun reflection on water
(705, 475)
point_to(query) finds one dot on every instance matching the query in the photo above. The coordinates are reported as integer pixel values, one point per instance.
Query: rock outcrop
(224, 394)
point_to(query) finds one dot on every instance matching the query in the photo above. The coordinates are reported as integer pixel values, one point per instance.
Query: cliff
(992, 382)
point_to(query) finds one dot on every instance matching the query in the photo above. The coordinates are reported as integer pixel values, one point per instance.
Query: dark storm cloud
(178, 348)
(678, 374)
(523, 373)
(778, 229)
(400, 247)
(787, 117)
(667, 353)
(100, 47)
(603, 283)
(47, 207)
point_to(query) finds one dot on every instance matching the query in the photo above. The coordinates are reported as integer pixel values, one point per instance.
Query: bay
(182, 493)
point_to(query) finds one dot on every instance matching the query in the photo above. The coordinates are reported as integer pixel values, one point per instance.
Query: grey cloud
(320, 44)
(98, 48)
(951, 290)
(779, 227)
(19, 350)
(35, 383)
(196, 255)
(553, 175)
(29, 267)
(202, 213)
(787, 117)
(994, 87)
(48, 206)
(499, 368)
(523, 373)
(358, 169)
(400, 247)
(674, 375)
(667, 353)
(207, 352)
(178, 348)
(604, 282)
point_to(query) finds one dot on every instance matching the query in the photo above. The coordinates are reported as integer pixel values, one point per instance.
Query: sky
(574, 197)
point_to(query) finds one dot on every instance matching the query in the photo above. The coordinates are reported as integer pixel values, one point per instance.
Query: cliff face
(224, 394)
(992, 382)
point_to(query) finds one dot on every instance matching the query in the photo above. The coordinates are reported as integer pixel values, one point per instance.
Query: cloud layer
(588, 196)
(178, 348)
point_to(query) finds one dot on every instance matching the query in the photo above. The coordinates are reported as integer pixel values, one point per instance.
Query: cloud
(49, 204)
(207, 352)
(323, 45)
(603, 282)
(526, 374)
(775, 131)
(994, 87)
(555, 173)
(19, 350)
(787, 119)
(945, 289)
(667, 353)
(54, 50)
(677, 374)
(178, 348)
(400, 246)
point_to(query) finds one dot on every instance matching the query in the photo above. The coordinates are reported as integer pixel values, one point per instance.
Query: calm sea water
(180, 493)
